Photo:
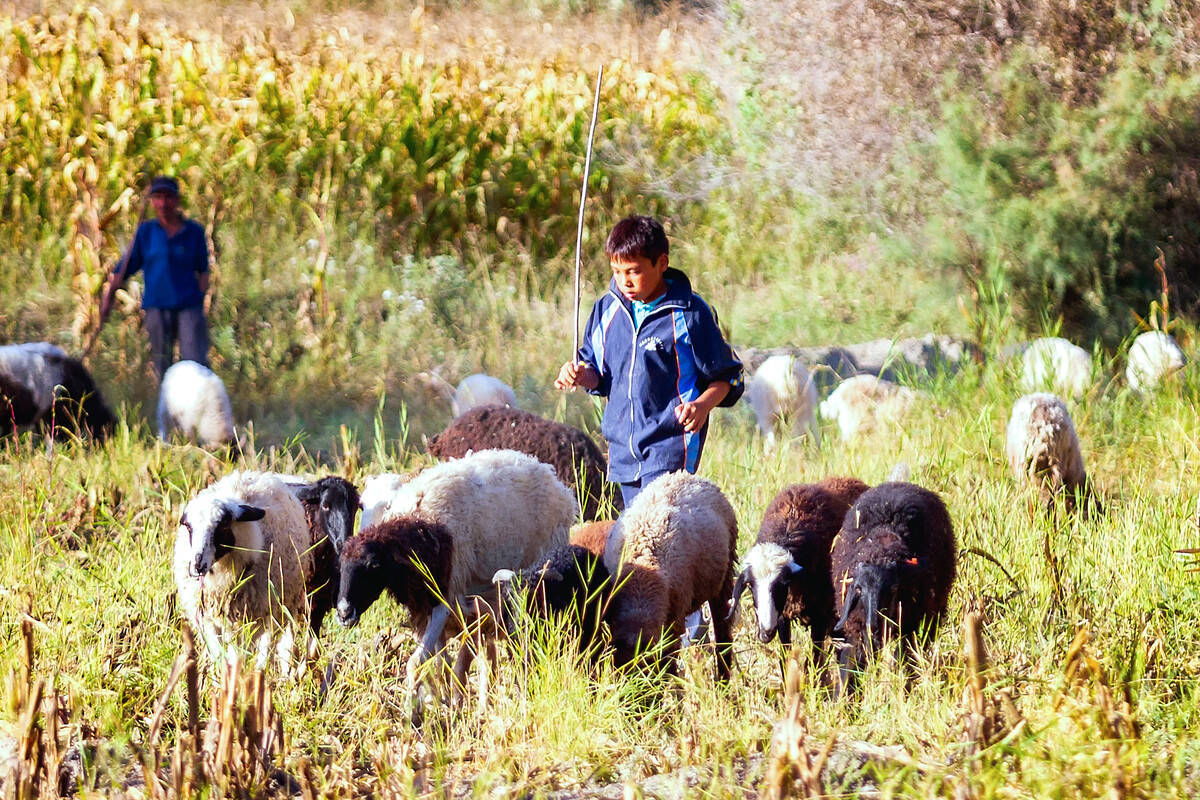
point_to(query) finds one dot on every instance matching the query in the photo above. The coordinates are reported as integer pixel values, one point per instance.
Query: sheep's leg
(429, 640)
(283, 653)
(462, 665)
(723, 637)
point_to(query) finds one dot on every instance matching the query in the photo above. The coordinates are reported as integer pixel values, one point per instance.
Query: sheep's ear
(793, 567)
(308, 493)
(245, 513)
(503, 576)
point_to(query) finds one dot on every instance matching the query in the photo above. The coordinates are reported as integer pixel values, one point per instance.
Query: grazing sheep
(1042, 446)
(574, 456)
(892, 565)
(329, 508)
(1153, 356)
(501, 508)
(782, 392)
(1054, 364)
(41, 385)
(193, 399)
(858, 404)
(378, 491)
(593, 536)
(787, 569)
(241, 556)
(478, 390)
(673, 551)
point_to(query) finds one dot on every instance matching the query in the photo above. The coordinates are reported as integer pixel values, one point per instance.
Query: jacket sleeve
(715, 359)
(593, 335)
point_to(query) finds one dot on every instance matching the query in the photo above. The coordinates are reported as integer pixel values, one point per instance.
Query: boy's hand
(576, 374)
(692, 415)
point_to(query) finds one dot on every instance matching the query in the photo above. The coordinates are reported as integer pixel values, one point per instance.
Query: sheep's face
(377, 496)
(768, 574)
(335, 502)
(362, 580)
(208, 534)
(881, 596)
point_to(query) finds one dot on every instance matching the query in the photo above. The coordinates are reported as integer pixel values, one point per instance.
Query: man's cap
(164, 184)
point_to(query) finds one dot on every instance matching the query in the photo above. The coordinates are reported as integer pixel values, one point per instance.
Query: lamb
(858, 404)
(1153, 357)
(782, 392)
(673, 549)
(473, 391)
(893, 564)
(1042, 447)
(1054, 364)
(242, 552)
(193, 399)
(500, 507)
(40, 385)
(787, 569)
(575, 458)
(329, 508)
(378, 491)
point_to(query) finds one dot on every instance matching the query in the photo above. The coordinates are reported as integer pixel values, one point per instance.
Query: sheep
(893, 565)
(41, 385)
(501, 508)
(859, 403)
(787, 568)
(472, 391)
(242, 553)
(574, 456)
(377, 493)
(1153, 356)
(593, 536)
(329, 508)
(1042, 446)
(673, 549)
(782, 392)
(193, 399)
(1052, 363)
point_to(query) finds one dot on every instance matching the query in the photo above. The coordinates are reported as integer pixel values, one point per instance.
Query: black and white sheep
(787, 570)
(41, 385)
(1054, 364)
(1043, 448)
(575, 458)
(783, 393)
(1153, 357)
(501, 508)
(330, 505)
(242, 554)
(193, 399)
(671, 552)
(893, 564)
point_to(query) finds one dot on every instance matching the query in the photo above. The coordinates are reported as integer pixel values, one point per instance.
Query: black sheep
(788, 568)
(572, 454)
(893, 564)
(329, 507)
(41, 385)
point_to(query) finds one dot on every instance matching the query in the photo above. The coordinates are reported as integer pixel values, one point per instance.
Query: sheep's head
(333, 502)
(377, 495)
(880, 595)
(768, 573)
(206, 531)
(363, 562)
(570, 580)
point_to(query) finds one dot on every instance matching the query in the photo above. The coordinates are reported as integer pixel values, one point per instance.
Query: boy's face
(640, 279)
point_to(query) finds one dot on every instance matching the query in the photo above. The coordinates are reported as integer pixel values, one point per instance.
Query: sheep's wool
(1041, 441)
(1153, 356)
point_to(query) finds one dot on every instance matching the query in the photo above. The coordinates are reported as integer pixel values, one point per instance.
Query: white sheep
(1042, 446)
(377, 493)
(193, 399)
(242, 556)
(782, 392)
(1054, 364)
(473, 391)
(501, 508)
(41, 385)
(1153, 356)
(860, 403)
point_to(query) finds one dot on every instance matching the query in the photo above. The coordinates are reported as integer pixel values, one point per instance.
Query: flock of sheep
(487, 531)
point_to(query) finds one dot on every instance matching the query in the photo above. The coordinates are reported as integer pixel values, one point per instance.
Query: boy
(653, 348)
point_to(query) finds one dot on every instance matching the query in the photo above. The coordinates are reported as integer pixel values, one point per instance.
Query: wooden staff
(116, 283)
(587, 168)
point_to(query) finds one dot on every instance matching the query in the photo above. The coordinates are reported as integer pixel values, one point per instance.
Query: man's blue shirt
(170, 264)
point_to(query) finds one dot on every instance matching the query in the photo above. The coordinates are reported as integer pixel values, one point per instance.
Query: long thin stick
(95, 337)
(587, 168)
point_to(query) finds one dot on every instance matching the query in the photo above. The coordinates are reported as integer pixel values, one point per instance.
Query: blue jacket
(170, 264)
(671, 358)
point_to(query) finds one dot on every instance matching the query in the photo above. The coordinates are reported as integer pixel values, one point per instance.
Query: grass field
(347, 264)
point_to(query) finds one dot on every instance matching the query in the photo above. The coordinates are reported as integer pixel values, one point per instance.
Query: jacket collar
(679, 292)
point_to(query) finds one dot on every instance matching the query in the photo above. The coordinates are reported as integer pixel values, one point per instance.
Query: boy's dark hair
(636, 236)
